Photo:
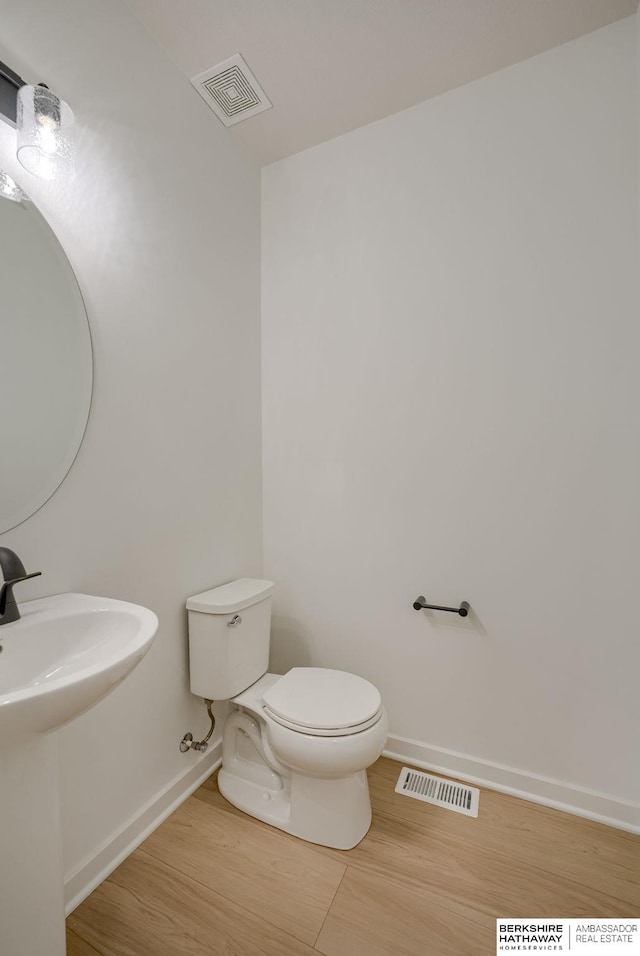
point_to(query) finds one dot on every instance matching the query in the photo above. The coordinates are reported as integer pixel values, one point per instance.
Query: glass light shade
(45, 133)
(10, 189)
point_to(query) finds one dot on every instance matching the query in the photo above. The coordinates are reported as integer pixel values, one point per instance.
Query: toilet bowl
(296, 746)
(306, 778)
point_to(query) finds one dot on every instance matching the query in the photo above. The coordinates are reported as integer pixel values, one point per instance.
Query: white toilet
(295, 747)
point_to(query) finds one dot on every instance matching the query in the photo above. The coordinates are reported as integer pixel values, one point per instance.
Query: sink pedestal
(31, 869)
(63, 655)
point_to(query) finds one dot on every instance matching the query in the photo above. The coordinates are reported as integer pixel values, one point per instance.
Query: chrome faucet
(13, 572)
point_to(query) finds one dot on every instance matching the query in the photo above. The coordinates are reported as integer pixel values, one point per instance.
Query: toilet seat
(323, 702)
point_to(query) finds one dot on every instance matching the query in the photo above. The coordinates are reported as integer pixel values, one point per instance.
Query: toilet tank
(229, 631)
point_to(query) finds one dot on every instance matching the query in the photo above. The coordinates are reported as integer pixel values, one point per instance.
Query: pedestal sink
(65, 654)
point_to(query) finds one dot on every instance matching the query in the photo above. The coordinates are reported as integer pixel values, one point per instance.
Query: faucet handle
(24, 577)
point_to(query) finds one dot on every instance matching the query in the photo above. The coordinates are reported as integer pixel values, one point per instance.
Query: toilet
(295, 747)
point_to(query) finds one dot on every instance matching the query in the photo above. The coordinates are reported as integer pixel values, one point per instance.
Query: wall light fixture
(44, 125)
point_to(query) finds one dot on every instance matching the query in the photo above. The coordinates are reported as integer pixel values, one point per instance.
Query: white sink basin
(65, 654)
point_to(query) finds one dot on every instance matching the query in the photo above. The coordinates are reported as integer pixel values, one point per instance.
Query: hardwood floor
(212, 880)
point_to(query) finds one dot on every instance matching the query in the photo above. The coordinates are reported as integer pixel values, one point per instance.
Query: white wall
(162, 227)
(450, 396)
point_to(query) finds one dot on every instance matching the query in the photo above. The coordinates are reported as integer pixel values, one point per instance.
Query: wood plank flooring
(211, 880)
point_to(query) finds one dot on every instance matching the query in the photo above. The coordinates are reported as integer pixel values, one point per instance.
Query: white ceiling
(330, 66)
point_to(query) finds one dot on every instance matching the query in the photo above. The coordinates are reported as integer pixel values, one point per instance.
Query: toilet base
(332, 812)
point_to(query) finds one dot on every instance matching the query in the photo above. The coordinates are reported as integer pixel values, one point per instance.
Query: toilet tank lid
(233, 596)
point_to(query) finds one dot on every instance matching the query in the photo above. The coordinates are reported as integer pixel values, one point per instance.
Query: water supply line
(188, 743)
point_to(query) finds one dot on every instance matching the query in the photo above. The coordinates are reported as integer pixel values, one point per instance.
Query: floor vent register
(436, 790)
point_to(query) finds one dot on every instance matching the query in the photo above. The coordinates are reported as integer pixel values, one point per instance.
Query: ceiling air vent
(232, 91)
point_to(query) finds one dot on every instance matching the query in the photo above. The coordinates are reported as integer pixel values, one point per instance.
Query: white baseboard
(600, 807)
(529, 786)
(79, 884)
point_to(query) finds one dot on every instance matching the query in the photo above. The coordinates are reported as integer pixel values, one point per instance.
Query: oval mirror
(46, 365)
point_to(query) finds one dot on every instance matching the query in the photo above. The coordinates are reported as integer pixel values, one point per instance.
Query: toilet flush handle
(235, 620)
